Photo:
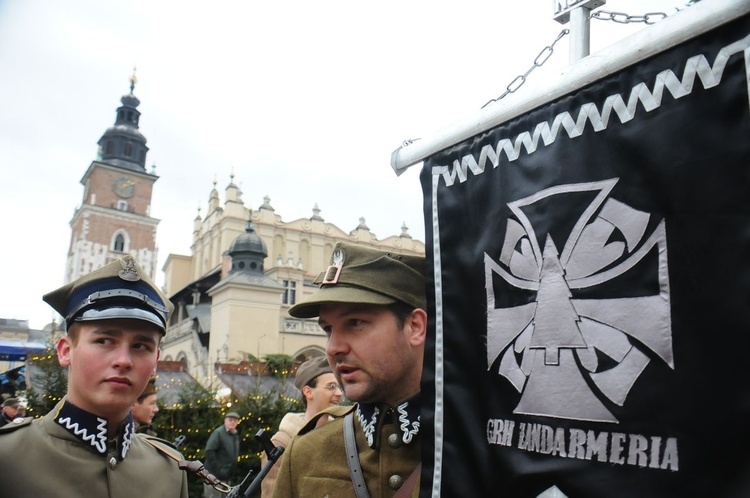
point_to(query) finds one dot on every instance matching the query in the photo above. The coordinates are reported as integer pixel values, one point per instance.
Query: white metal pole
(580, 33)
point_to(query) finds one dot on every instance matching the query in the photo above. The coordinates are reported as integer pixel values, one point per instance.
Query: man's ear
(307, 392)
(63, 351)
(417, 322)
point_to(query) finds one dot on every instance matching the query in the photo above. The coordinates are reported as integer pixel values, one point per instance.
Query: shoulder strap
(16, 424)
(352, 458)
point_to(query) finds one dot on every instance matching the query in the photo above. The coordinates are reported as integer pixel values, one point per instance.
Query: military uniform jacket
(388, 444)
(42, 458)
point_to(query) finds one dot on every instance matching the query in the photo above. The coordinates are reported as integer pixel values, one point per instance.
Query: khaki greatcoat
(40, 458)
(315, 463)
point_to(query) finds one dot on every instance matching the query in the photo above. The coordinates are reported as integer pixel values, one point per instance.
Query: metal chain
(622, 18)
(540, 59)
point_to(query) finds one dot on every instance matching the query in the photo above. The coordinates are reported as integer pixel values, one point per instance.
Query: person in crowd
(371, 305)
(319, 389)
(86, 446)
(222, 452)
(11, 411)
(145, 408)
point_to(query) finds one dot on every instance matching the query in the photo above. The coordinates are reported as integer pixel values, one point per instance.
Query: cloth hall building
(247, 268)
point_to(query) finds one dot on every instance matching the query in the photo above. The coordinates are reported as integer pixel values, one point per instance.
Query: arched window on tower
(110, 147)
(120, 241)
(130, 115)
(128, 150)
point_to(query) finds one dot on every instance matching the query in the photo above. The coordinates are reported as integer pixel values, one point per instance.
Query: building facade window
(128, 150)
(290, 292)
(122, 205)
(119, 245)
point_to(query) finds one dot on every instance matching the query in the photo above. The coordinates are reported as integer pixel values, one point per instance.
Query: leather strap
(406, 489)
(352, 458)
(194, 466)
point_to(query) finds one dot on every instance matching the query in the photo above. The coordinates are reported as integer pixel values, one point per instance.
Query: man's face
(230, 423)
(327, 392)
(144, 411)
(11, 411)
(374, 359)
(109, 364)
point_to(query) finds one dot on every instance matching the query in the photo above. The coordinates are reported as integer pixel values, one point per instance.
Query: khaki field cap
(311, 369)
(150, 389)
(363, 275)
(121, 289)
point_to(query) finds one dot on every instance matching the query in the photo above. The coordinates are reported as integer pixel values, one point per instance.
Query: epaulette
(16, 424)
(335, 411)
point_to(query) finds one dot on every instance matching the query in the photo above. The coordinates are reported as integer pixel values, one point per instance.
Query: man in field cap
(11, 409)
(320, 390)
(115, 319)
(371, 305)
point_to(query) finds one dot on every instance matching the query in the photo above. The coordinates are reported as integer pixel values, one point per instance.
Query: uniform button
(395, 481)
(112, 463)
(394, 441)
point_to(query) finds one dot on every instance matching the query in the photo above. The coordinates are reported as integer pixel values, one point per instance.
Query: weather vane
(133, 81)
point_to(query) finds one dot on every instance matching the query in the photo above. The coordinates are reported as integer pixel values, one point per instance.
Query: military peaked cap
(363, 275)
(121, 289)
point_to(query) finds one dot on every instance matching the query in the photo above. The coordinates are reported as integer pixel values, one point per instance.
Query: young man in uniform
(320, 390)
(371, 305)
(145, 408)
(86, 446)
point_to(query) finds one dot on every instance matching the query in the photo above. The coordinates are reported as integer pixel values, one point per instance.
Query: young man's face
(144, 411)
(374, 359)
(326, 392)
(109, 364)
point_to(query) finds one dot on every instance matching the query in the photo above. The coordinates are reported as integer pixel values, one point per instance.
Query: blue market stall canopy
(18, 351)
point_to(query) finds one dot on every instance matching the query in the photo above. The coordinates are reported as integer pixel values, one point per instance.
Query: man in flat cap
(222, 451)
(320, 390)
(144, 409)
(115, 319)
(11, 411)
(371, 305)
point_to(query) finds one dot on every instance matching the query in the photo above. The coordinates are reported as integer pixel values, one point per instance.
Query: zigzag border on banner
(710, 76)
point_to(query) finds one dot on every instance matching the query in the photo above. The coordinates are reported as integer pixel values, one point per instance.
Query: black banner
(590, 304)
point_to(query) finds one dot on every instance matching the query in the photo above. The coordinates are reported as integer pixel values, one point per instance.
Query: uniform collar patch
(407, 417)
(92, 430)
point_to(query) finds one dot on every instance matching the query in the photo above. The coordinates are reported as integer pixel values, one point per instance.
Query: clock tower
(114, 217)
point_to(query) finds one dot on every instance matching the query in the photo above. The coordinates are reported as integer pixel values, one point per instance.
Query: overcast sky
(303, 101)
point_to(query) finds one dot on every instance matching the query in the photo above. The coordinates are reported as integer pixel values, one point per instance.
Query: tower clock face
(124, 187)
